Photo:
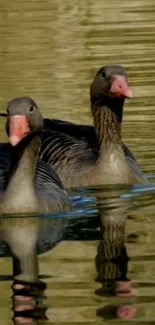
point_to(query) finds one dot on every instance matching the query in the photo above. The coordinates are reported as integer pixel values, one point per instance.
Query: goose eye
(31, 109)
(103, 75)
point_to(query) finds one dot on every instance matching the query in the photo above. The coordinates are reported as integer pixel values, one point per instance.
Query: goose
(20, 163)
(84, 155)
(22, 193)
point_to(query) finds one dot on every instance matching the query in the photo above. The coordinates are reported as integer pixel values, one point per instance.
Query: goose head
(110, 82)
(23, 118)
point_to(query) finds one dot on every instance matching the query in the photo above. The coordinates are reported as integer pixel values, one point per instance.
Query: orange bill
(18, 129)
(120, 87)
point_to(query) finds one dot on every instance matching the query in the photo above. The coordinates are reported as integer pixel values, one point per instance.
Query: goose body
(22, 193)
(29, 191)
(86, 155)
(78, 164)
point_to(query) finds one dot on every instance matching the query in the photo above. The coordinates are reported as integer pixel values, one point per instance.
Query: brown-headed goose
(84, 155)
(26, 179)
(22, 194)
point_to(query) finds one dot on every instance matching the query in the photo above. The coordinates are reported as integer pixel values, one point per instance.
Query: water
(51, 51)
(87, 273)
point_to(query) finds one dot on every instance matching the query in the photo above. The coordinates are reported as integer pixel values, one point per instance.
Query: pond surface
(51, 51)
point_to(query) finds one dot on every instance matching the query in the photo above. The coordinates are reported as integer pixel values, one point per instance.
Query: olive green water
(51, 51)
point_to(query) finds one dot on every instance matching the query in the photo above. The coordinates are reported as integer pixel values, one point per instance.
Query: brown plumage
(24, 127)
(83, 156)
(24, 195)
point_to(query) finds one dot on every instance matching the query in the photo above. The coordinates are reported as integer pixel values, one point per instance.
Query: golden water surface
(50, 50)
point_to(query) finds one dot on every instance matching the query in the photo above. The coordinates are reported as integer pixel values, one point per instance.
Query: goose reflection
(112, 266)
(25, 237)
(112, 262)
(21, 235)
(29, 303)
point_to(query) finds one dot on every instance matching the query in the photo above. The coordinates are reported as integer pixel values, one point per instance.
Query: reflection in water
(28, 303)
(50, 232)
(111, 264)
(25, 235)
(28, 236)
(21, 235)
